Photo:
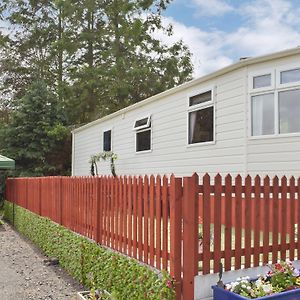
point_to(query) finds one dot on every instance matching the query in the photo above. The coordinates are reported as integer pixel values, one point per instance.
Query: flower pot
(222, 294)
(84, 295)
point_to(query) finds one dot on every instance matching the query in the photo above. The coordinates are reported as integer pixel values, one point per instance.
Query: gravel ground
(24, 275)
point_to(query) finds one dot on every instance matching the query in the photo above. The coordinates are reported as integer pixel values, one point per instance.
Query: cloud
(212, 7)
(205, 46)
(270, 26)
(267, 26)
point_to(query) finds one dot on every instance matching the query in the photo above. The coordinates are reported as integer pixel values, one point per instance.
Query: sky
(220, 32)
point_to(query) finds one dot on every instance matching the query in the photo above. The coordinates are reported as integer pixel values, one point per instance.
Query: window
(143, 140)
(107, 140)
(290, 76)
(261, 81)
(263, 114)
(275, 108)
(142, 123)
(201, 118)
(143, 134)
(289, 111)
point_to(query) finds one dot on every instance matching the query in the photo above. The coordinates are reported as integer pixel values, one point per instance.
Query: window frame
(201, 106)
(148, 124)
(277, 88)
(143, 128)
(288, 67)
(261, 73)
(111, 138)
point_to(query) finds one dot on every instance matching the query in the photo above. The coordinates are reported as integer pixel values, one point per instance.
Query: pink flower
(169, 284)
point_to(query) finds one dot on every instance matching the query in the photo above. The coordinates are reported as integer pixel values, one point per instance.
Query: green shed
(6, 163)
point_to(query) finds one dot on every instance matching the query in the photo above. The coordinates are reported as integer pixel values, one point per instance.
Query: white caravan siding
(170, 152)
(274, 155)
(234, 150)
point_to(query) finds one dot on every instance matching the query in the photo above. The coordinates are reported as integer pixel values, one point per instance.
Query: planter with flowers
(281, 282)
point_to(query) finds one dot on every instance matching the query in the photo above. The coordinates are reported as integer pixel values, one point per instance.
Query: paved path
(24, 275)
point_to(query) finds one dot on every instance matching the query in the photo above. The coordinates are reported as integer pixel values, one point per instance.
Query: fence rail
(184, 225)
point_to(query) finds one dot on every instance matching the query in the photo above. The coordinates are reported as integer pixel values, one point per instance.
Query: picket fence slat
(240, 222)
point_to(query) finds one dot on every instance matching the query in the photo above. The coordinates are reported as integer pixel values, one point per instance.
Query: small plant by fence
(184, 225)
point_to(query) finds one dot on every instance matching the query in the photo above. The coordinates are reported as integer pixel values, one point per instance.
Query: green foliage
(125, 278)
(97, 56)
(34, 134)
(104, 156)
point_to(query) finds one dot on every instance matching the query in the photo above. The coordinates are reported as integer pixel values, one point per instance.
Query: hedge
(91, 264)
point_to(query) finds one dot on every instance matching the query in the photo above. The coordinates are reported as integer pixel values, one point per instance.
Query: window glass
(289, 111)
(261, 81)
(141, 122)
(201, 125)
(107, 140)
(290, 76)
(200, 98)
(143, 140)
(263, 114)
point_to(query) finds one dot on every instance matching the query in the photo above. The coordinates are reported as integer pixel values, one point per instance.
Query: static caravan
(242, 119)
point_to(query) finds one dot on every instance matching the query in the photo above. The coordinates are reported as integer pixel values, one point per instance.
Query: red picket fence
(185, 226)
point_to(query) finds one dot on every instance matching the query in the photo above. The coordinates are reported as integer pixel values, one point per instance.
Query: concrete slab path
(25, 276)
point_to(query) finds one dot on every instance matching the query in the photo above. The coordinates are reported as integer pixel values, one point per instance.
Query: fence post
(60, 202)
(98, 211)
(40, 195)
(190, 235)
(175, 232)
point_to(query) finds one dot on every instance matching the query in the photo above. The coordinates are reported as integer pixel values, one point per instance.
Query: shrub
(124, 277)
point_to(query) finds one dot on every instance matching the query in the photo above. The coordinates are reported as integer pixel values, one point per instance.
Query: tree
(118, 61)
(36, 136)
(93, 56)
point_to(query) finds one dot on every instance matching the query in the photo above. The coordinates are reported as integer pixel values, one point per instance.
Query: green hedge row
(125, 278)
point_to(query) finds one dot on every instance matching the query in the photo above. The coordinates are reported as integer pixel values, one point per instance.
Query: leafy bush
(124, 277)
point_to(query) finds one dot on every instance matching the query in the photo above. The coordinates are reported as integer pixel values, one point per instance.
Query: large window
(289, 111)
(275, 111)
(143, 134)
(263, 114)
(107, 140)
(201, 118)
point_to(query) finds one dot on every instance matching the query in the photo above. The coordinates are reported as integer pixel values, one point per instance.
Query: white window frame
(286, 68)
(261, 73)
(142, 126)
(139, 129)
(201, 106)
(276, 89)
(111, 138)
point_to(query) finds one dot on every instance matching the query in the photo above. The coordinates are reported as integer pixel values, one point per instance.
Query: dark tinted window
(107, 140)
(143, 140)
(201, 125)
(200, 98)
(141, 122)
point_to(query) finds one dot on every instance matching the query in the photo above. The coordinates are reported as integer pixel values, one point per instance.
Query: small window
(200, 98)
(142, 123)
(201, 118)
(261, 81)
(201, 125)
(263, 114)
(143, 140)
(289, 111)
(107, 140)
(290, 76)
(143, 134)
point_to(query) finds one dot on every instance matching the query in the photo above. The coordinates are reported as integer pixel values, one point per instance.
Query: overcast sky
(219, 32)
